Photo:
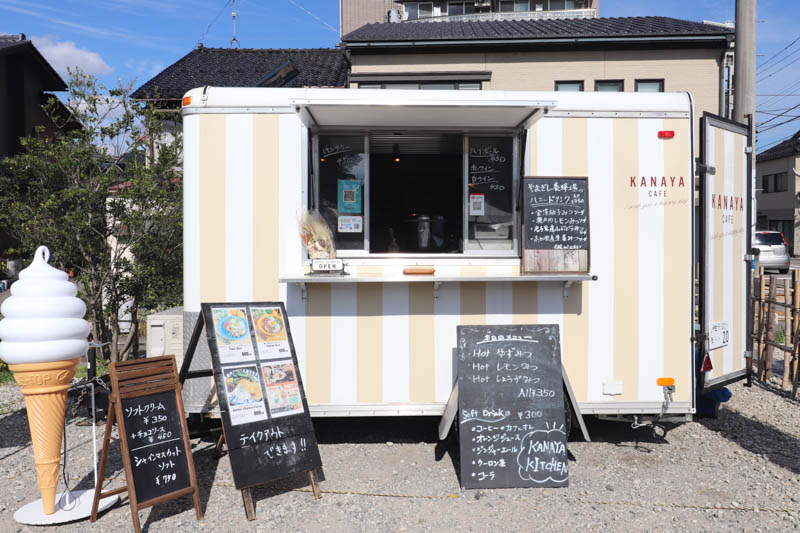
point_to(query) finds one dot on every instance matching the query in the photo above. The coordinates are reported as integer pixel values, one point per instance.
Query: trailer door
(725, 200)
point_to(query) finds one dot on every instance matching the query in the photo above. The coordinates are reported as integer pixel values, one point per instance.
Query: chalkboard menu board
(265, 415)
(147, 406)
(555, 224)
(342, 164)
(511, 407)
(155, 445)
(491, 173)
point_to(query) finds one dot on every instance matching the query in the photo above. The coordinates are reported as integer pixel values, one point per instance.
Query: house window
(426, 85)
(515, 5)
(649, 86)
(775, 182)
(609, 86)
(418, 192)
(418, 10)
(569, 86)
(460, 8)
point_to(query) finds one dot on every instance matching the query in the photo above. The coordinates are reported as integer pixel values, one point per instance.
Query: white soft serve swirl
(43, 318)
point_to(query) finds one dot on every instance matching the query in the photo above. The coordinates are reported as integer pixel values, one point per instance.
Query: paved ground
(737, 472)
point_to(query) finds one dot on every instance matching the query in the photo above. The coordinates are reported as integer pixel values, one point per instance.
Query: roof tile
(534, 29)
(246, 67)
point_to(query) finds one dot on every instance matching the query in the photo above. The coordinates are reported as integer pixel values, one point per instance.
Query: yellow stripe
(369, 271)
(533, 153)
(266, 185)
(575, 337)
(421, 342)
(212, 208)
(717, 229)
(370, 342)
(626, 260)
(677, 251)
(318, 343)
(473, 297)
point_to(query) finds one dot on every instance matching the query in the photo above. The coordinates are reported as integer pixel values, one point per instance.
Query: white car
(774, 253)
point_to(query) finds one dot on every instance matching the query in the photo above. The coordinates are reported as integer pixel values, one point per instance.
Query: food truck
(423, 194)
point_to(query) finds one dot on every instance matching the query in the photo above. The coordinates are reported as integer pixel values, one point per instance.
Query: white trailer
(381, 342)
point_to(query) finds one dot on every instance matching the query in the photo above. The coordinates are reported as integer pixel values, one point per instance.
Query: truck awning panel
(419, 113)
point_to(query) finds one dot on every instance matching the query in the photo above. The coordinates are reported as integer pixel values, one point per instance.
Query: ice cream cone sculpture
(43, 336)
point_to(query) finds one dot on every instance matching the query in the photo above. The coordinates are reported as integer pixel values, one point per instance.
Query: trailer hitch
(658, 430)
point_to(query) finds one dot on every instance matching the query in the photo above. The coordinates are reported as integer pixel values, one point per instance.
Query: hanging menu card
(555, 224)
(265, 415)
(511, 407)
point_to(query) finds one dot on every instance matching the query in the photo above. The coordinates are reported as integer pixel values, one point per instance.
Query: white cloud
(63, 54)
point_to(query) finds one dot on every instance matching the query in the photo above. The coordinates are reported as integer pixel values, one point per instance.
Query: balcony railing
(514, 15)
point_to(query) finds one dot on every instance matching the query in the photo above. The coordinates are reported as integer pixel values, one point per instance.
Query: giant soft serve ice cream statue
(43, 336)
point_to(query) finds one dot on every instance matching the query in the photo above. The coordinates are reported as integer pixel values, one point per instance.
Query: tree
(104, 194)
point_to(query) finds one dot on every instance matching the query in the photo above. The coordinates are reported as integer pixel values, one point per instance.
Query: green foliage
(103, 193)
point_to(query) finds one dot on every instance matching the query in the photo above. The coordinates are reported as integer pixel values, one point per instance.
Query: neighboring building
(25, 79)
(573, 54)
(777, 190)
(245, 67)
(356, 13)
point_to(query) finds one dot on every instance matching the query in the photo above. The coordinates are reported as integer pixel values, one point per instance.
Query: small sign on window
(476, 205)
(351, 224)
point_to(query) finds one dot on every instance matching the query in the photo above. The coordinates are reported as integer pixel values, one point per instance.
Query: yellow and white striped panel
(392, 343)
(634, 324)
(726, 243)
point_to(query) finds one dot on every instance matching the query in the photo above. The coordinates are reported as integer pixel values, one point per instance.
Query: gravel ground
(737, 472)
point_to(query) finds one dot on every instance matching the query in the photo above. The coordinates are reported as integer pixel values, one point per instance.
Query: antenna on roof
(235, 40)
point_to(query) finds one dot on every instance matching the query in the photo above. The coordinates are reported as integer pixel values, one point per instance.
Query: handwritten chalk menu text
(556, 213)
(155, 445)
(511, 407)
(490, 177)
(265, 415)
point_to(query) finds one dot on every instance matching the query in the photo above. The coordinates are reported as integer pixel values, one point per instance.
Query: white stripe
(550, 146)
(396, 360)
(447, 315)
(710, 258)
(296, 309)
(651, 261)
(528, 162)
(191, 213)
(344, 343)
(550, 307)
(727, 252)
(292, 172)
(499, 299)
(600, 369)
(238, 208)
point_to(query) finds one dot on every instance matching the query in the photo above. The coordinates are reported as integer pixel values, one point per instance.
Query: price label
(719, 335)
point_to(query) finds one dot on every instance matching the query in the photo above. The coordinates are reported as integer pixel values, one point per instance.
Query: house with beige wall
(632, 54)
(777, 188)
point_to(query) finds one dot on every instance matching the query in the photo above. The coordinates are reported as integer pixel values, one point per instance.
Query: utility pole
(744, 86)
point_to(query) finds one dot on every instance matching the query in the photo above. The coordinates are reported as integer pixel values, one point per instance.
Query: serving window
(418, 192)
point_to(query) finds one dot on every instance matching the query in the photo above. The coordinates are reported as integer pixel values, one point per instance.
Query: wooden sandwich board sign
(511, 407)
(265, 418)
(147, 405)
(555, 216)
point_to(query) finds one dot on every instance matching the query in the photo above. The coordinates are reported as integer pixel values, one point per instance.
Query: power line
(776, 125)
(298, 6)
(200, 40)
(782, 68)
(774, 143)
(777, 54)
(778, 116)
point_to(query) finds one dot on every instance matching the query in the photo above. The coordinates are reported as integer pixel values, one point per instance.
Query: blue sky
(132, 40)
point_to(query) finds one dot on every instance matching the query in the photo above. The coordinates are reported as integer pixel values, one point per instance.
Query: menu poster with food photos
(265, 416)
